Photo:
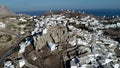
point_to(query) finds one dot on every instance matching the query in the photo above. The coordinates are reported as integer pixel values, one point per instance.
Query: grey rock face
(55, 34)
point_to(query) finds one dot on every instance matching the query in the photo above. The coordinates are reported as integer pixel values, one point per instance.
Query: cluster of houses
(21, 60)
(94, 49)
(100, 49)
(117, 25)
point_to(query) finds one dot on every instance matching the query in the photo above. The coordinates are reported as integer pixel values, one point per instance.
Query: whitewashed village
(65, 39)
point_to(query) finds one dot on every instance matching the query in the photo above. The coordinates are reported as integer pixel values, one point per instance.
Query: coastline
(96, 12)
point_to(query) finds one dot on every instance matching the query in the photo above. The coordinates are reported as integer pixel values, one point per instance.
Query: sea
(96, 12)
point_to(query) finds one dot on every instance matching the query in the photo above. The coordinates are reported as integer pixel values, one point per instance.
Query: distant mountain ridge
(4, 11)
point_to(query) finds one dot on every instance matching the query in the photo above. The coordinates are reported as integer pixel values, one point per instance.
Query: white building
(22, 32)
(74, 63)
(21, 63)
(52, 46)
(81, 42)
(117, 66)
(118, 25)
(22, 47)
(2, 25)
(73, 42)
(45, 31)
(8, 64)
(22, 20)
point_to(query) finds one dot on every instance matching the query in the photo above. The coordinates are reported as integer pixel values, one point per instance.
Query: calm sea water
(97, 12)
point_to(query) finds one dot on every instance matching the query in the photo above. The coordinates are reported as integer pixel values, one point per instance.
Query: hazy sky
(59, 4)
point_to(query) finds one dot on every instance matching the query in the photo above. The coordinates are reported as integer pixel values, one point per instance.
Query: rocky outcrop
(55, 34)
(4, 11)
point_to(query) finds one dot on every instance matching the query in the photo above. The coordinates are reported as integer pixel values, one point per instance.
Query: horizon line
(64, 9)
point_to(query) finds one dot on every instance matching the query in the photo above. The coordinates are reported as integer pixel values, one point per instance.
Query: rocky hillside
(67, 40)
(4, 11)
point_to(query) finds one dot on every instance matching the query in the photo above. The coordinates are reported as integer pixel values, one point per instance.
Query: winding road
(11, 50)
(26, 62)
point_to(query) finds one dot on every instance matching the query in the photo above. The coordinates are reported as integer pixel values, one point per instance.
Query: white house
(81, 42)
(2, 25)
(73, 42)
(52, 46)
(45, 31)
(117, 66)
(21, 63)
(22, 32)
(74, 63)
(107, 61)
(22, 26)
(70, 27)
(118, 25)
(8, 64)
(22, 48)
(22, 20)
(83, 66)
(27, 42)
(33, 32)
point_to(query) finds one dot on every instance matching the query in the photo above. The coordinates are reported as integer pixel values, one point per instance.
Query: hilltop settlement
(61, 39)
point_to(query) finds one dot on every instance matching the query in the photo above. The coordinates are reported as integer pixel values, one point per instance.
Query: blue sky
(60, 4)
